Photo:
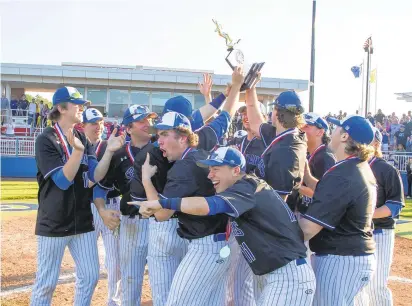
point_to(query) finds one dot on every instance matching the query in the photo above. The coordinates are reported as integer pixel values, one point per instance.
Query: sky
(180, 34)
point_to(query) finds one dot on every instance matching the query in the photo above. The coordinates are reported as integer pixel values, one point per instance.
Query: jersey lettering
(129, 173)
(247, 252)
(237, 232)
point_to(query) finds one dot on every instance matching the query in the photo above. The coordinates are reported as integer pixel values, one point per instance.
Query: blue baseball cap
(358, 128)
(68, 94)
(137, 113)
(173, 120)
(178, 104)
(224, 156)
(378, 135)
(290, 101)
(92, 115)
(316, 120)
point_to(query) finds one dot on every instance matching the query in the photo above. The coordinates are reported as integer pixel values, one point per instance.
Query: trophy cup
(235, 58)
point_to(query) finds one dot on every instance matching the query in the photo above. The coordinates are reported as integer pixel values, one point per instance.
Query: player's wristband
(218, 101)
(171, 203)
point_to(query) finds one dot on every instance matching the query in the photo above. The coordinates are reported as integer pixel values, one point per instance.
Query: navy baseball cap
(137, 113)
(358, 128)
(173, 120)
(92, 115)
(316, 120)
(224, 156)
(68, 94)
(290, 101)
(378, 135)
(178, 104)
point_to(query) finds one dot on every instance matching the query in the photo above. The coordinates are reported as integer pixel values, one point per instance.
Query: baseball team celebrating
(290, 213)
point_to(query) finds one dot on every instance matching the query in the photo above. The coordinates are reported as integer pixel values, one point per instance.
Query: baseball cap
(92, 115)
(358, 128)
(136, 113)
(178, 104)
(68, 94)
(378, 135)
(224, 156)
(173, 120)
(262, 108)
(316, 120)
(290, 101)
(240, 134)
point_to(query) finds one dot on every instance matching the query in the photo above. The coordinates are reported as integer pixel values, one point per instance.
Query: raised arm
(253, 111)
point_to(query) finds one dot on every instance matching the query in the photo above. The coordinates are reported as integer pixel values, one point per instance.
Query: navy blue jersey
(120, 174)
(320, 161)
(266, 229)
(390, 189)
(252, 150)
(100, 149)
(284, 160)
(62, 212)
(187, 179)
(343, 204)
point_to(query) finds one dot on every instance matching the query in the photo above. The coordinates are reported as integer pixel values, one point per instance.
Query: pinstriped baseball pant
(239, 289)
(377, 293)
(340, 278)
(166, 251)
(290, 285)
(111, 246)
(133, 252)
(83, 248)
(201, 277)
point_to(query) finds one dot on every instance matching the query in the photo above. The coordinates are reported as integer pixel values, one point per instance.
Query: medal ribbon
(341, 162)
(278, 138)
(63, 141)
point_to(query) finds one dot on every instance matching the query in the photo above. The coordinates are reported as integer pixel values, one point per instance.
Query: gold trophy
(235, 58)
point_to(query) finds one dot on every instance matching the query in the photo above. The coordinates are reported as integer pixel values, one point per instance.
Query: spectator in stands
(400, 148)
(41, 106)
(14, 105)
(409, 144)
(340, 116)
(9, 128)
(394, 118)
(409, 176)
(371, 119)
(385, 136)
(31, 116)
(379, 116)
(404, 119)
(5, 107)
(394, 127)
(401, 137)
(45, 114)
(22, 106)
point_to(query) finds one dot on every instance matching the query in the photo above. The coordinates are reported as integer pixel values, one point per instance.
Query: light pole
(312, 60)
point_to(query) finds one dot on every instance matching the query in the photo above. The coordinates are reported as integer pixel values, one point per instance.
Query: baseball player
(201, 272)
(162, 235)
(285, 154)
(274, 250)
(240, 280)
(320, 158)
(251, 146)
(338, 223)
(66, 162)
(133, 229)
(389, 203)
(93, 125)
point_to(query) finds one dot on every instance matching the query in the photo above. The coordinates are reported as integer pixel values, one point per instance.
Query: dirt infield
(18, 257)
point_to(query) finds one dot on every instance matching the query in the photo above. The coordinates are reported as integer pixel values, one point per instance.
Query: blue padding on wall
(13, 166)
(405, 182)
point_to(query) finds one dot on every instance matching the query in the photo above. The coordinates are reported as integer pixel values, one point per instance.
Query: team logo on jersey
(237, 232)
(129, 173)
(220, 261)
(309, 291)
(365, 279)
(85, 160)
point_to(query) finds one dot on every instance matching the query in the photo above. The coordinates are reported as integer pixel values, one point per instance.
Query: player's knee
(91, 277)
